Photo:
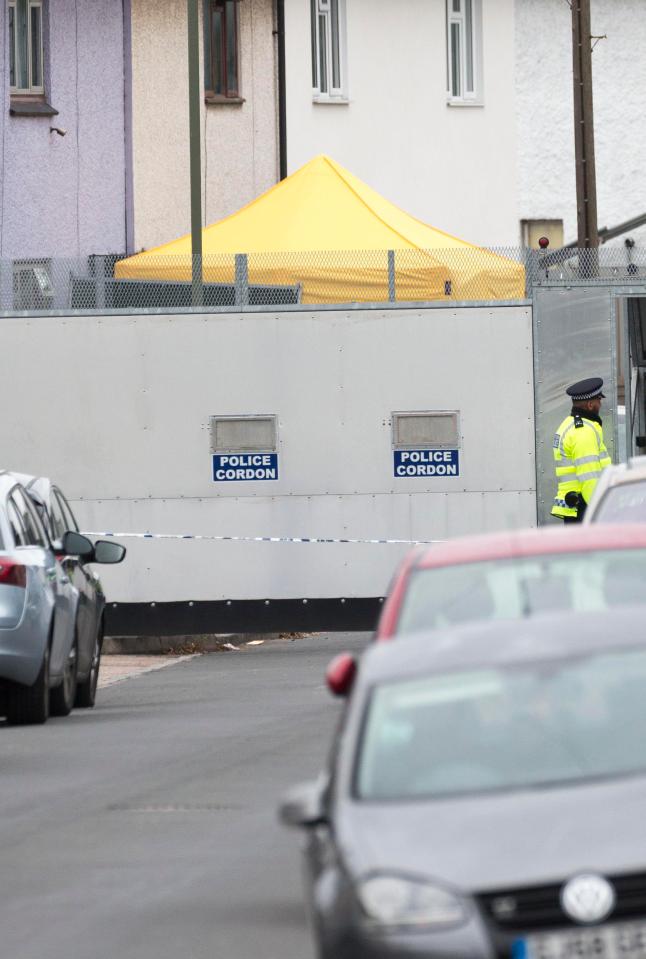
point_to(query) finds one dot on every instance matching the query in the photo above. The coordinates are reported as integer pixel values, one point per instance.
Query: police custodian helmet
(588, 389)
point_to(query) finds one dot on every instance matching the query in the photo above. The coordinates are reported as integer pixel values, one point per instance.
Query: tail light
(12, 573)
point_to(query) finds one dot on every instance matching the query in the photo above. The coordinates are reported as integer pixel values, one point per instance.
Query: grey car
(485, 797)
(38, 610)
(88, 595)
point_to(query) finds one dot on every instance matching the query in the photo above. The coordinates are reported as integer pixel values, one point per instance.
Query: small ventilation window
(426, 430)
(243, 434)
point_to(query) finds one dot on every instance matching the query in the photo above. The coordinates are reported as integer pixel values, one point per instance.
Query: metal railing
(150, 282)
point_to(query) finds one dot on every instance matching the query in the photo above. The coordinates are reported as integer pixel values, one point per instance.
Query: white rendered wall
(453, 167)
(134, 455)
(239, 141)
(547, 187)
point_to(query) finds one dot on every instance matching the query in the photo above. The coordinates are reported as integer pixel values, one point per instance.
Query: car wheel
(63, 696)
(29, 705)
(86, 691)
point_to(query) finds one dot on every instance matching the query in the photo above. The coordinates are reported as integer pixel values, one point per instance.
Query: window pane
(468, 11)
(315, 65)
(456, 66)
(231, 47)
(513, 589)
(456, 6)
(57, 525)
(12, 46)
(336, 50)
(216, 49)
(539, 724)
(70, 519)
(29, 517)
(323, 54)
(19, 535)
(22, 49)
(36, 47)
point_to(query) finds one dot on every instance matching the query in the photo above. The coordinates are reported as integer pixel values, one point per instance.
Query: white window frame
(465, 18)
(32, 88)
(321, 22)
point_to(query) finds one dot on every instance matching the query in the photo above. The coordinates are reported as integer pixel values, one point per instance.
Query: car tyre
(86, 690)
(63, 696)
(30, 705)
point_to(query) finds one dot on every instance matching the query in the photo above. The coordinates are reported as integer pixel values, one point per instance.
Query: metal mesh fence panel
(150, 282)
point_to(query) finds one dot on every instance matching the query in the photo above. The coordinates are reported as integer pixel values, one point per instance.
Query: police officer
(580, 454)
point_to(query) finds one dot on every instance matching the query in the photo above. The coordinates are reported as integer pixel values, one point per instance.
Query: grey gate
(575, 336)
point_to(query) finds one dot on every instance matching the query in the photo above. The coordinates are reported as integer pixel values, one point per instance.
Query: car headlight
(396, 901)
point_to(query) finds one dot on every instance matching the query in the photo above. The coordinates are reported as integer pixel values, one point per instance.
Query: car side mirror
(105, 552)
(304, 805)
(340, 674)
(74, 544)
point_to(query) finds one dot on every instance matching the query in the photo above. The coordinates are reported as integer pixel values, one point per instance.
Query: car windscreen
(623, 504)
(513, 588)
(507, 728)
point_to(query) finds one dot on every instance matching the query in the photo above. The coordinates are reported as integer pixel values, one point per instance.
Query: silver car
(82, 582)
(620, 494)
(38, 639)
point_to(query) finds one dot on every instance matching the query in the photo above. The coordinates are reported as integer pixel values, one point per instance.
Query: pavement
(114, 669)
(146, 828)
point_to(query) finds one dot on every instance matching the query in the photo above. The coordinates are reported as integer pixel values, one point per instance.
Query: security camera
(61, 132)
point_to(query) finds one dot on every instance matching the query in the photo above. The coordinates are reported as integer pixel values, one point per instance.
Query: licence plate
(626, 940)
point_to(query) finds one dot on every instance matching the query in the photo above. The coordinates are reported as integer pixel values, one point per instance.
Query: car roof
(532, 542)
(557, 635)
(8, 480)
(38, 487)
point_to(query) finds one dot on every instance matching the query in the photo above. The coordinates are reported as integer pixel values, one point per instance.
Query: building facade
(461, 111)
(239, 112)
(63, 159)
(417, 99)
(545, 120)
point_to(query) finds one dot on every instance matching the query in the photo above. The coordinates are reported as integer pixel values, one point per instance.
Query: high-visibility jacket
(580, 456)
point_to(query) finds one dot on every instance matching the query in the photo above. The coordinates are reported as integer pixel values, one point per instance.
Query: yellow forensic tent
(325, 231)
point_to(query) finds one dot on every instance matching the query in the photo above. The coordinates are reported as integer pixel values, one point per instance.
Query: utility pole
(194, 102)
(586, 180)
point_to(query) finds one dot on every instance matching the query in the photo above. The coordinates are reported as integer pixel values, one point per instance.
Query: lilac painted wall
(65, 196)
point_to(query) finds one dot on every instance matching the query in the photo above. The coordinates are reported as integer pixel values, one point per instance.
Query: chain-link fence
(148, 281)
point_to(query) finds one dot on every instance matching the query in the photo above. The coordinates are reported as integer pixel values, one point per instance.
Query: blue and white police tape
(265, 539)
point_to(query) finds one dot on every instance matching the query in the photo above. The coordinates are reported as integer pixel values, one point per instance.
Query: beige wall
(239, 142)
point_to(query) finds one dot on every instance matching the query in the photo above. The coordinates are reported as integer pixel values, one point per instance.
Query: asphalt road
(147, 826)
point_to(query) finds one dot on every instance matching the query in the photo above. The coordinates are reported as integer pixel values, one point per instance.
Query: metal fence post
(242, 280)
(100, 274)
(195, 167)
(532, 262)
(392, 291)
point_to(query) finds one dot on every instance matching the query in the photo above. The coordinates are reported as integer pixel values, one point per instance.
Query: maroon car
(513, 575)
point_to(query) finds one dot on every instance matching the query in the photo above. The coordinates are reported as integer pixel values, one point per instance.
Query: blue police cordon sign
(237, 467)
(427, 463)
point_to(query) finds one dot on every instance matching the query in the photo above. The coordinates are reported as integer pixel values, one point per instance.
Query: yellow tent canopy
(324, 230)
